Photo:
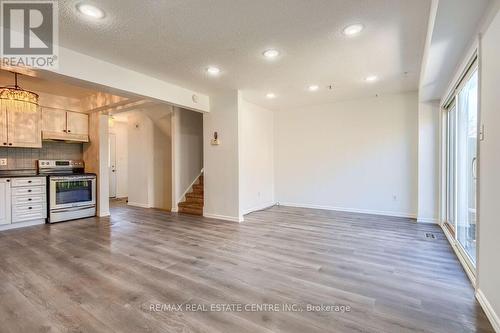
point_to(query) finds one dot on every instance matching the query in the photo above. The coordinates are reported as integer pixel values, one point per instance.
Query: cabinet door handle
(10, 144)
(8, 180)
(30, 199)
(69, 131)
(29, 182)
(30, 207)
(29, 191)
(64, 131)
(5, 143)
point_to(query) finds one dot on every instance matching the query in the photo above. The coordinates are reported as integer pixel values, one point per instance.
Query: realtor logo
(29, 33)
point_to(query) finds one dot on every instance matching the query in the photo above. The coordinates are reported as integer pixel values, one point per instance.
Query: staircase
(193, 203)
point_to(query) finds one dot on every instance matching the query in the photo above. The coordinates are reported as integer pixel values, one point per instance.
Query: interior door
(23, 129)
(3, 127)
(112, 165)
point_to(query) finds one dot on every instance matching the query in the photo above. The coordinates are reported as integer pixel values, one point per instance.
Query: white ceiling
(456, 23)
(175, 40)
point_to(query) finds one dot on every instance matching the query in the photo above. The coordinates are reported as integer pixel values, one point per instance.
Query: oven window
(73, 191)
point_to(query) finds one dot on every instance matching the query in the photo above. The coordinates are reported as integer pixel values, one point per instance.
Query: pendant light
(17, 99)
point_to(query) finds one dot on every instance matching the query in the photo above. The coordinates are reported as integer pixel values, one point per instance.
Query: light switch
(3, 161)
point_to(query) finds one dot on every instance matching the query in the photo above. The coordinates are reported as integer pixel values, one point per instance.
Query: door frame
(110, 167)
(473, 63)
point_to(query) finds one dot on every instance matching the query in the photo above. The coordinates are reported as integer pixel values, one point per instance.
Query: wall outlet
(3, 161)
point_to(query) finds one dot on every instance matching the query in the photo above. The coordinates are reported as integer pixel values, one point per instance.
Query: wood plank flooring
(105, 275)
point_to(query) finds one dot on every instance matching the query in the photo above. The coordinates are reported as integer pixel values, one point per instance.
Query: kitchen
(44, 146)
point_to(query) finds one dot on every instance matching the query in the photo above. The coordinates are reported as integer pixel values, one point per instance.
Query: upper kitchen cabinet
(78, 126)
(20, 128)
(64, 125)
(3, 128)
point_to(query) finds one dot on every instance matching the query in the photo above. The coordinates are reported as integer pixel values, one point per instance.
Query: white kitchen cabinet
(20, 128)
(78, 125)
(3, 128)
(29, 199)
(53, 122)
(23, 202)
(5, 202)
(65, 125)
(23, 128)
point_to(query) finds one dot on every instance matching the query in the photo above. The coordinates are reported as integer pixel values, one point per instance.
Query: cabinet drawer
(24, 212)
(28, 191)
(29, 199)
(31, 181)
(16, 218)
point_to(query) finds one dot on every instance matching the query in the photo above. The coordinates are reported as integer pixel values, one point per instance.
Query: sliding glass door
(461, 164)
(467, 165)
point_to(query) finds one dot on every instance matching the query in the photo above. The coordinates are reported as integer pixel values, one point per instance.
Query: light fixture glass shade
(17, 99)
(18, 95)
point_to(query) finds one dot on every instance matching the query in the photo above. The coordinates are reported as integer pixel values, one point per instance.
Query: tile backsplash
(25, 158)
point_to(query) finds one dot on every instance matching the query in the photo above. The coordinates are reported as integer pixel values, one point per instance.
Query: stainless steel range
(71, 191)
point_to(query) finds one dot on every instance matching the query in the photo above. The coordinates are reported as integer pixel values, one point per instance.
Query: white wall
(162, 158)
(256, 132)
(428, 162)
(140, 159)
(150, 158)
(188, 150)
(221, 163)
(120, 129)
(356, 155)
(92, 70)
(489, 174)
(103, 174)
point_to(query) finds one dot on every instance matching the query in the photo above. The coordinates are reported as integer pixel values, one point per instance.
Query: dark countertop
(19, 173)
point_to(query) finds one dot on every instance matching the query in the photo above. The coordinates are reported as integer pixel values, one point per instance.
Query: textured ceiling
(175, 40)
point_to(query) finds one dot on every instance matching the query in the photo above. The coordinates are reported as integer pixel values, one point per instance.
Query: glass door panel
(451, 154)
(466, 166)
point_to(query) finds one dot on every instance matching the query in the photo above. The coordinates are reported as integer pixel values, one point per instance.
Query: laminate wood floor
(121, 274)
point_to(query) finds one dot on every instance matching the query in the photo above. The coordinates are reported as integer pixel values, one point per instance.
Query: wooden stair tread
(194, 200)
(191, 204)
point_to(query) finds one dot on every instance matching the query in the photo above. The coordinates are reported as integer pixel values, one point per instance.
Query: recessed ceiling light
(371, 78)
(313, 87)
(271, 95)
(353, 29)
(212, 70)
(271, 53)
(90, 11)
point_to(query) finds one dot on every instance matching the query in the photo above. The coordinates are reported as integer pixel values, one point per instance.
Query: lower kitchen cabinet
(5, 202)
(23, 201)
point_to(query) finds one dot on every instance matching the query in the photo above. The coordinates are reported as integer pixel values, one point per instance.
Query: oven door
(72, 191)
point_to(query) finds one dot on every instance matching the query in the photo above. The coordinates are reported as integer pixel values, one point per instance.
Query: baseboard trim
(174, 210)
(224, 217)
(259, 207)
(350, 210)
(488, 309)
(21, 224)
(136, 204)
(427, 220)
